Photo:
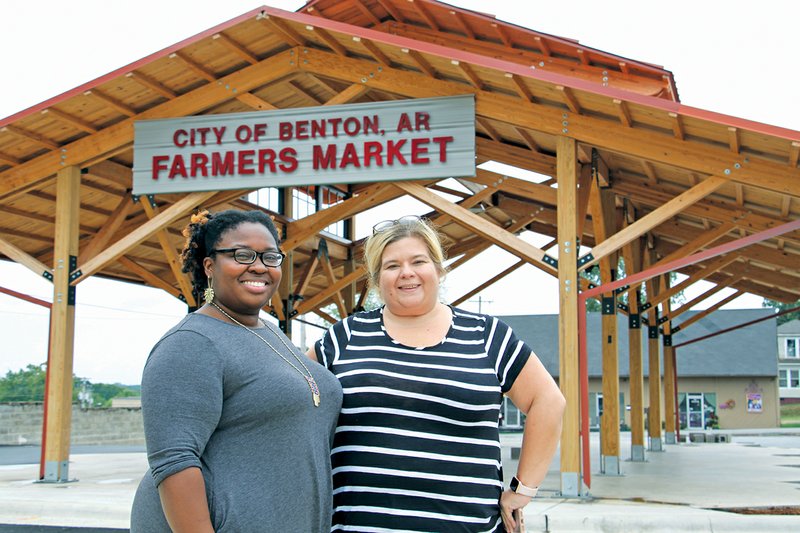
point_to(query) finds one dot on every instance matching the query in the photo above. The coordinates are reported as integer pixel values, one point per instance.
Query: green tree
(780, 306)
(27, 385)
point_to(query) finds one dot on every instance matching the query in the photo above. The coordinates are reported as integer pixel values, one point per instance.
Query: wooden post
(654, 379)
(62, 327)
(604, 225)
(571, 482)
(669, 382)
(636, 378)
(286, 287)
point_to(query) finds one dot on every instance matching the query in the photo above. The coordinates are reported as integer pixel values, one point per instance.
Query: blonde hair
(420, 228)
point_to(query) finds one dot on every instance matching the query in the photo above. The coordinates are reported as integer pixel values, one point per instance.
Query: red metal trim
(49, 306)
(129, 68)
(583, 378)
(750, 323)
(25, 297)
(441, 51)
(692, 259)
(635, 279)
(675, 393)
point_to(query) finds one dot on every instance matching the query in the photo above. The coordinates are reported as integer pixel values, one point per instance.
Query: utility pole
(480, 302)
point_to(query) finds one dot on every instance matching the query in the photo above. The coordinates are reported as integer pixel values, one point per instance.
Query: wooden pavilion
(631, 173)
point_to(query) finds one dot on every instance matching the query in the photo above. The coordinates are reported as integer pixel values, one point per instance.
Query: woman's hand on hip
(509, 502)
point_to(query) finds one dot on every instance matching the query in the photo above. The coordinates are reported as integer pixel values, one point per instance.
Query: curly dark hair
(205, 230)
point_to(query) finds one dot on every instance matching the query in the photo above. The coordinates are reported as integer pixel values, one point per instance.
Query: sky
(734, 57)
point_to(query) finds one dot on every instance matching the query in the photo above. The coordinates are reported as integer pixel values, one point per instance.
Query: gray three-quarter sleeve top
(217, 398)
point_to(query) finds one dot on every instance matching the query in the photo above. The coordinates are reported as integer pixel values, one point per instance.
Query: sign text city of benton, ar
(381, 141)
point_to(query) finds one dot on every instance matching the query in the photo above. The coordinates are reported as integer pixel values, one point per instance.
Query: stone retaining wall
(21, 423)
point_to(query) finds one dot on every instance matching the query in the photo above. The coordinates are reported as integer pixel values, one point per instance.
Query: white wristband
(519, 488)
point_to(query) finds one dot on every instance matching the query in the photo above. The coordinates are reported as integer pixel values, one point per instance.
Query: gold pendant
(315, 396)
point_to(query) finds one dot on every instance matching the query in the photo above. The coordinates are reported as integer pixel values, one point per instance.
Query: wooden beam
(715, 265)
(733, 140)
(699, 242)
(171, 255)
(329, 39)
(20, 256)
(305, 278)
(69, 119)
(298, 231)
(420, 62)
(255, 102)
(465, 69)
(677, 126)
(674, 313)
(374, 51)
(160, 221)
(423, 11)
(468, 219)
(62, 328)
(324, 295)
(569, 98)
(327, 268)
(348, 95)
(152, 84)
(286, 32)
(702, 314)
(487, 283)
(522, 89)
(34, 172)
(235, 47)
(571, 480)
(148, 276)
(654, 218)
(109, 228)
(30, 136)
(111, 102)
(595, 131)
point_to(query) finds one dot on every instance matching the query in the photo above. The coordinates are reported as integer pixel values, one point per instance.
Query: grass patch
(790, 415)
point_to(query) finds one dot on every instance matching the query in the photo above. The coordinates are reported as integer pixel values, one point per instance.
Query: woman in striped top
(417, 446)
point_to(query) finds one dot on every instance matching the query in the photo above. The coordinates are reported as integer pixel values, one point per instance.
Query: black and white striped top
(417, 446)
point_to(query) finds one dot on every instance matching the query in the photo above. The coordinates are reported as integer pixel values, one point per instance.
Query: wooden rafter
(464, 217)
(640, 143)
(708, 269)
(329, 39)
(374, 51)
(286, 32)
(367, 13)
(100, 239)
(463, 23)
(30, 136)
(733, 140)
(171, 255)
(623, 112)
(147, 275)
(704, 313)
(677, 126)
(470, 74)
(23, 258)
(425, 14)
(61, 116)
(569, 98)
(152, 84)
(521, 88)
(654, 218)
(489, 282)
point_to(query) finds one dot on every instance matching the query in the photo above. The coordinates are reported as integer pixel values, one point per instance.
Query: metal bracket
(645, 306)
(585, 259)
(634, 321)
(663, 319)
(48, 275)
(623, 306)
(676, 329)
(667, 339)
(549, 260)
(608, 307)
(652, 332)
(622, 289)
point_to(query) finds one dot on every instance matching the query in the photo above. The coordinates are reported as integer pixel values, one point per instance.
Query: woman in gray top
(238, 424)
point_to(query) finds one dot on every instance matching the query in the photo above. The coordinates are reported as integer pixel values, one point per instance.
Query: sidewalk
(680, 489)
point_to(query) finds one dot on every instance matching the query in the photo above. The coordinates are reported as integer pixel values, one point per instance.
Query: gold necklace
(312, 384)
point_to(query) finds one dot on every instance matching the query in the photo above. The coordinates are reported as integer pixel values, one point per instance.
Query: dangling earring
(208, 294)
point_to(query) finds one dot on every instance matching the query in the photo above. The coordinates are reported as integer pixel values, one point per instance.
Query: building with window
(728, 381)
(789, 361)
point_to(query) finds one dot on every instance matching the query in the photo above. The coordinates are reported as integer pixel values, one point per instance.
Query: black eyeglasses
(386, 224)
(246, 256)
